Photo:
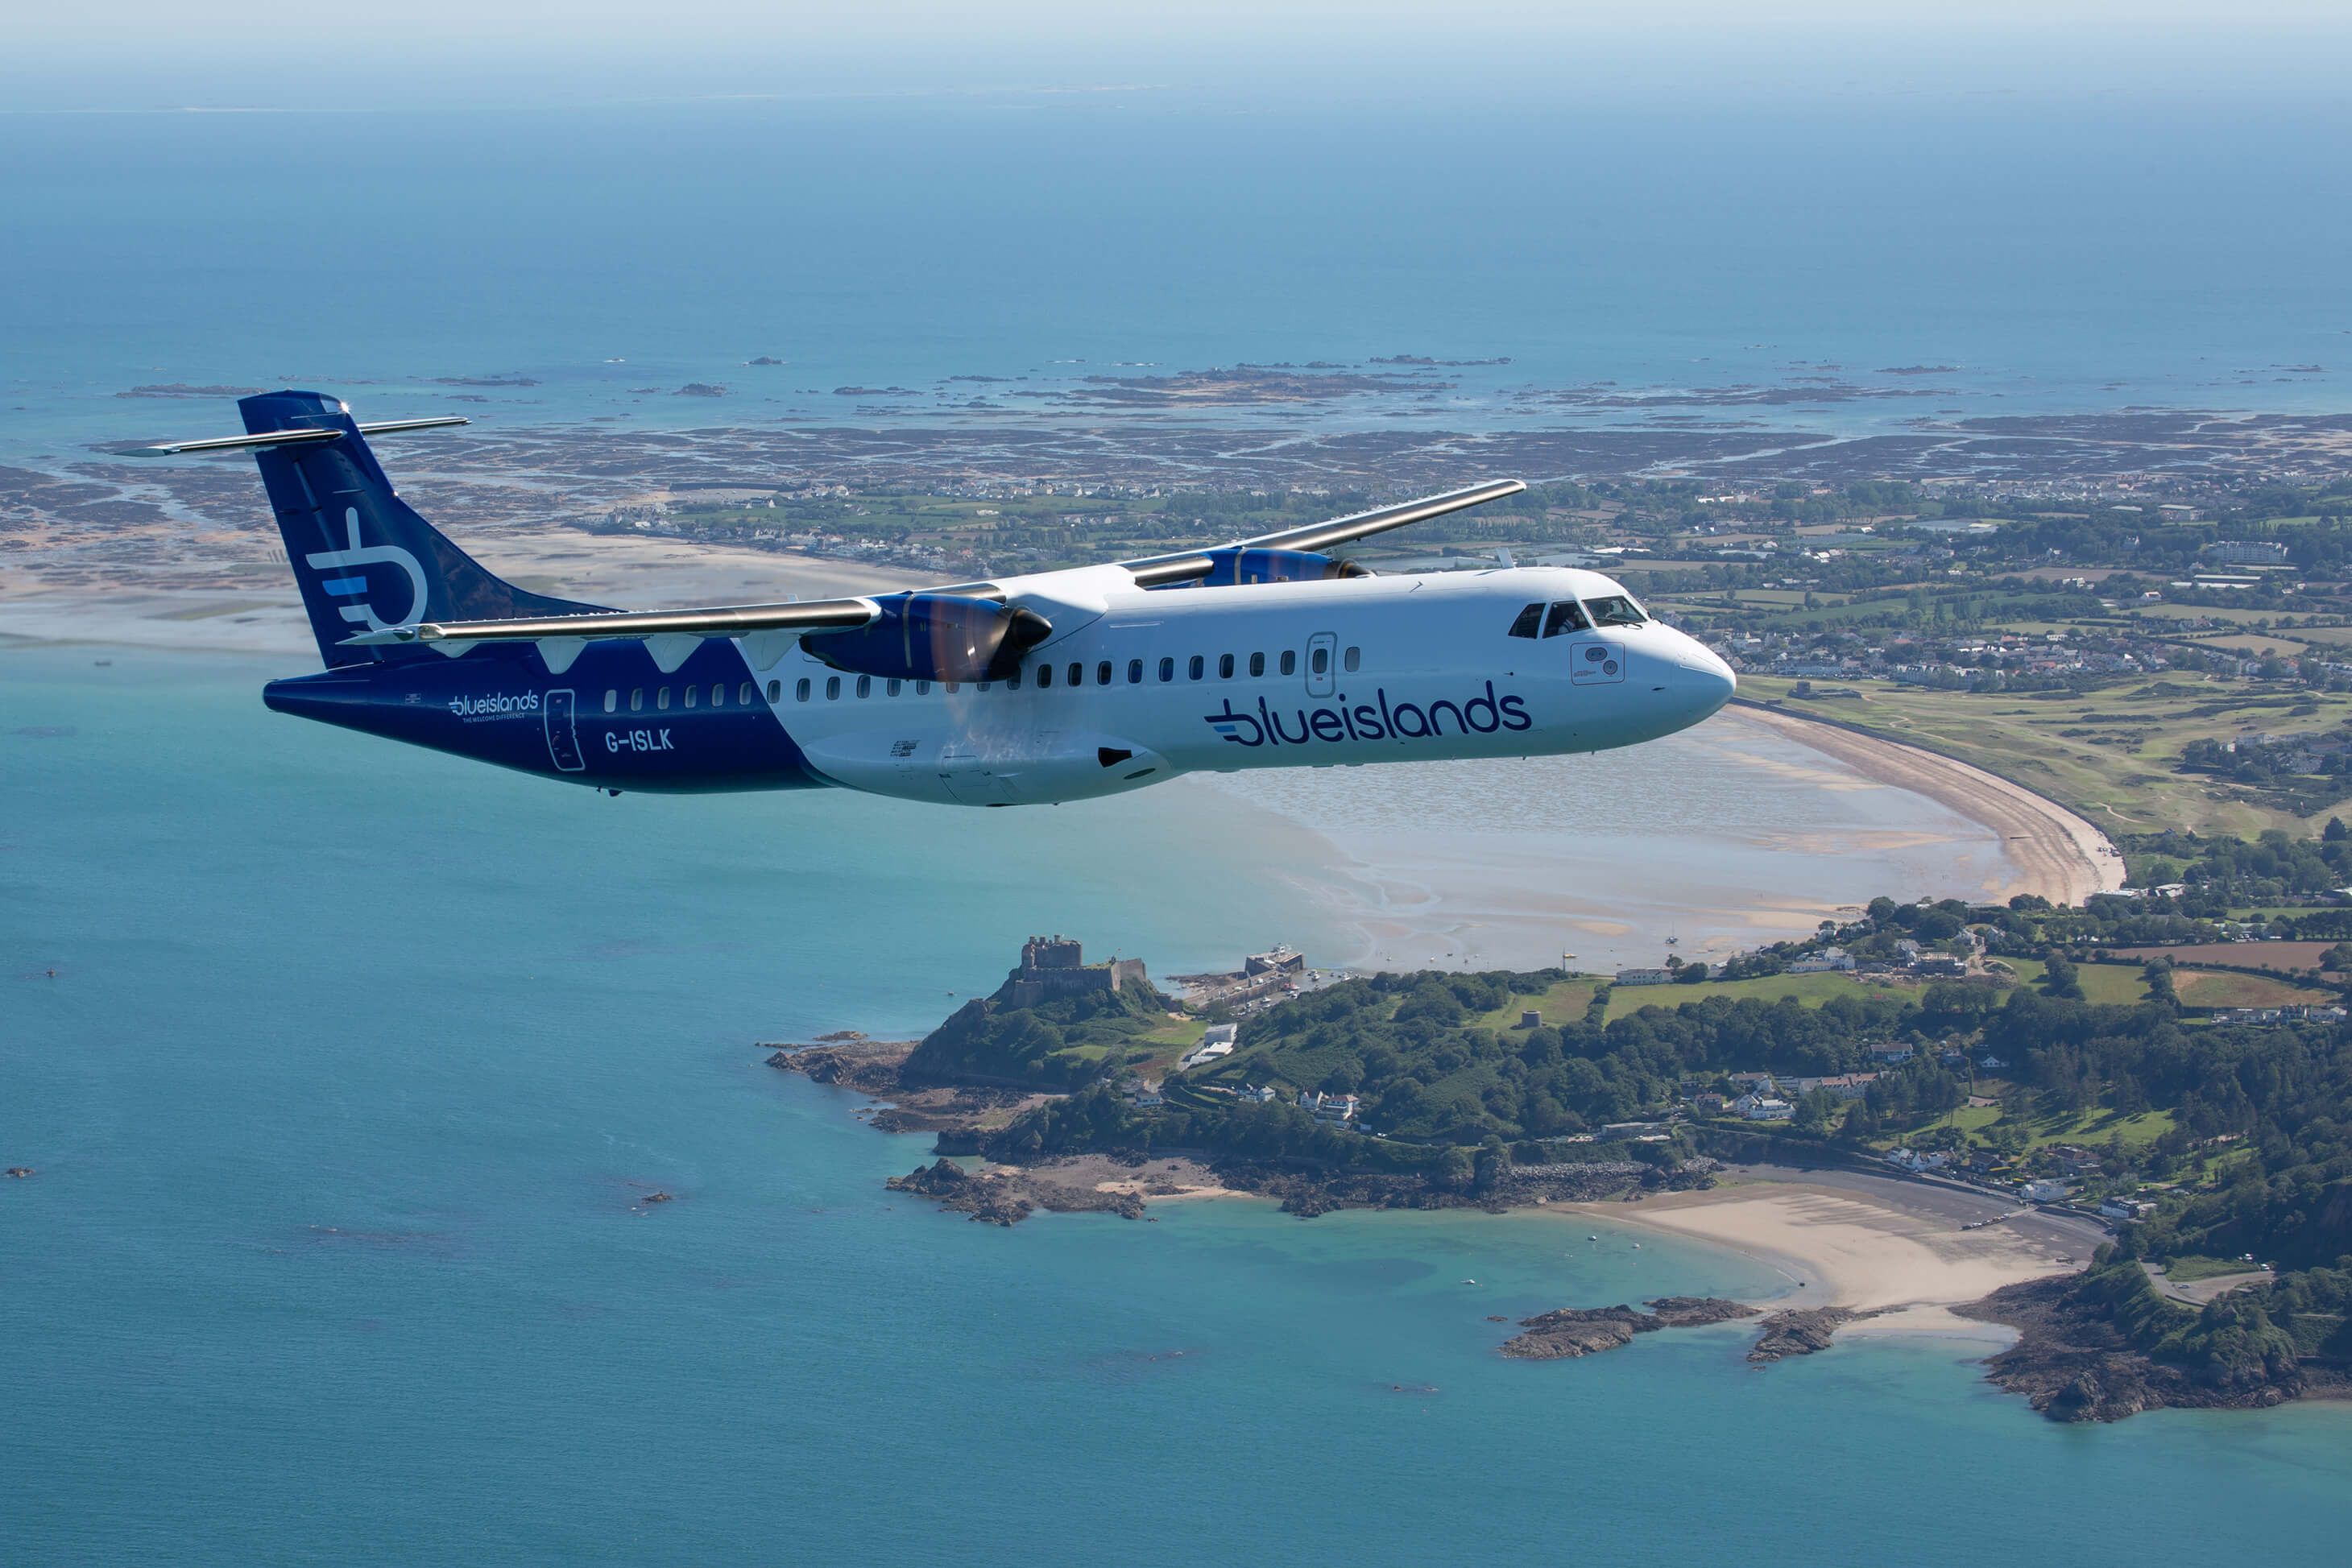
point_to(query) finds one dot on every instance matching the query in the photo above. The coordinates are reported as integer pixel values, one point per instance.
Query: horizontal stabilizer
(727, 621)
(309, 437)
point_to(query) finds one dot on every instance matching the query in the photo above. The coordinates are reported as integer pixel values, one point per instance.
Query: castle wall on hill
(1056, 966)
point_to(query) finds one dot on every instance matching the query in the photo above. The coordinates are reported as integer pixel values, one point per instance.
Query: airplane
(1029, 689)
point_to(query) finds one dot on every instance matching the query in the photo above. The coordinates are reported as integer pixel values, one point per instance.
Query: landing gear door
(1322, 654)
(562, 739)
(1593, 662)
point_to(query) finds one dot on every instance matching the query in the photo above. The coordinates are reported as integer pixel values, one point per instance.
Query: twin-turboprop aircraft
(1025, 690)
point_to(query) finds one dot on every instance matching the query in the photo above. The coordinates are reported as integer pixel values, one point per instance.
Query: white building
(1826, 960)
(1763, 1108)
(1329, 1107)
(1643, 976)
(1216, 1041)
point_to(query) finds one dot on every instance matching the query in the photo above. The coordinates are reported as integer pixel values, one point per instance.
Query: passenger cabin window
(1167, 669)
(1013, 681)
(1102, 672)
(1225, 666)
(1257, 663)
(923, 688)
(831, 688)
(865, 686)
(776, 689)
(1566, 616)
(745, 696)
(1616, 611)
(1135, 672)
(1318, 661)
(1530, 623)
(1194, 668)
(693, 695)
(1077, 673)
(1045, 675)
(890, 687)
(638, 700)
(1290, 661)
(611, 701)
(1353, 659)
(800, 690)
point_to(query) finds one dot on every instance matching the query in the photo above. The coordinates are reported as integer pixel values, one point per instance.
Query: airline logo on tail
(355, 586)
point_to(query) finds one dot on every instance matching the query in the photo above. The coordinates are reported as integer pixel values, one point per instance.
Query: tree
(2059, 979)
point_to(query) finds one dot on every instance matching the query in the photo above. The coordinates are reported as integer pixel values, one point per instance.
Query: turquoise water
(356, 1061)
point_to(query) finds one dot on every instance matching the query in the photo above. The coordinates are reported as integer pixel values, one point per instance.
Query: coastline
(1750, 829)
(2058, 854)
(1892, 1252)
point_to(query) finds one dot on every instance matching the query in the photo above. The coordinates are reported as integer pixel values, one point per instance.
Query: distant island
(2120, 1072)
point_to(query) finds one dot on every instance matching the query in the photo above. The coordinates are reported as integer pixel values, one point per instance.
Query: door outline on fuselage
(1324, 682)
(562, 734)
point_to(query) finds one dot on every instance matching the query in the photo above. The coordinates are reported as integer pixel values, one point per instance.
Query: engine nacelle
(1235, 566)
(934, 637)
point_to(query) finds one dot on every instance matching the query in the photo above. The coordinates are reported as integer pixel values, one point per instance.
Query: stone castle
(1054, 967)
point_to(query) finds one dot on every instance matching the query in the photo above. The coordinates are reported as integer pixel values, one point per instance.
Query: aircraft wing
(833, 614)
(1159, 569)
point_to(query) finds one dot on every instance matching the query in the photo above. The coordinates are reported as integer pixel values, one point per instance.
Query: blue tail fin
(364, 561)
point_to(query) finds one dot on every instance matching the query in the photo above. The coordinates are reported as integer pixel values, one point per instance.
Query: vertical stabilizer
(363, 559)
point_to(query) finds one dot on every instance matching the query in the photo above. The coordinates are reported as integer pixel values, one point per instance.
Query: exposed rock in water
(1583, 1331)
(1696, 1311)
(987, 1198)
(1799, 1330)
(1009, 1199)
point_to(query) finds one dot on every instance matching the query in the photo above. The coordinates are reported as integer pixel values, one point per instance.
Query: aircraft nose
(1699, 675)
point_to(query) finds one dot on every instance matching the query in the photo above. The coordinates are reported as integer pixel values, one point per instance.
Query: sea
(1918, 255)
(347, 1073)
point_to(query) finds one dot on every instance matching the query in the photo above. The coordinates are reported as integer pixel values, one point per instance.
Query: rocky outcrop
(2073, 1361)
(1799, 1330)
(1008, 1198)
(1583, 1331)
(958, 1190)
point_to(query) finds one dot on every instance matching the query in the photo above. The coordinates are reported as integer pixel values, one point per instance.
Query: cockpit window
(1616, 611)
(1529, 623)
(1565, 617)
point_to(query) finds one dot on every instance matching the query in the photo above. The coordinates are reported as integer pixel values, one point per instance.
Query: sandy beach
(1894, 1249)
(2057, 854)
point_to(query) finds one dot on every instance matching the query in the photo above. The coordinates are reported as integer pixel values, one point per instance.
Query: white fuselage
(1134, 688)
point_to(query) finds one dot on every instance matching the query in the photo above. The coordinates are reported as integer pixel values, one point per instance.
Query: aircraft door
(563, 738)
(1322, 654)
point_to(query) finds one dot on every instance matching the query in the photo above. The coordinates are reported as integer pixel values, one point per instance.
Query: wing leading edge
(830, 614)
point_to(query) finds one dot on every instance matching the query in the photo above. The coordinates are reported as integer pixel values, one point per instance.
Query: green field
(2090, 1128)
(1812, 990)
(2118, 985)
(1563, 1002)
(2108, 754)
(2189, 1269)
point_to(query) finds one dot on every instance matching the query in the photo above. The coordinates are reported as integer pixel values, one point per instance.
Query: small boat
(1593, 1238)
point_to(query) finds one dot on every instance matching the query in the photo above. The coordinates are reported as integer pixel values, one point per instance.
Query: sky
(285, 54)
